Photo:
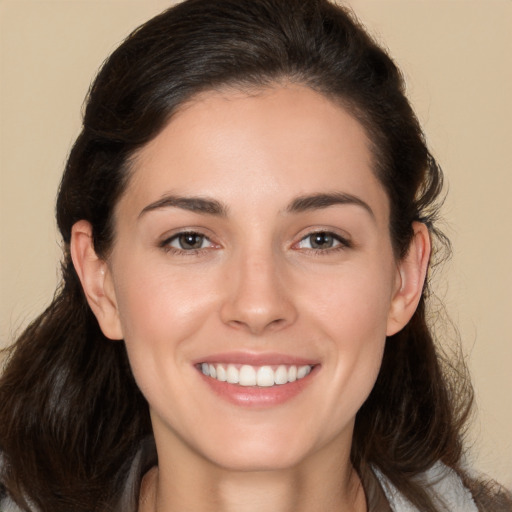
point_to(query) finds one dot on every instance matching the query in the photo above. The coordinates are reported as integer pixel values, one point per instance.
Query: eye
(189, 241)
(322, 240)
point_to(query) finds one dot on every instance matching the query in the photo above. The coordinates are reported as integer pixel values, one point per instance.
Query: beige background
(456, 56)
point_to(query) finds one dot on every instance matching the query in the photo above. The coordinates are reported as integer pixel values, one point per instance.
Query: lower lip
(259, 397)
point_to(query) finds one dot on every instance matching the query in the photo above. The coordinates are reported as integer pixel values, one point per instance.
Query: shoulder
(7, 505)
(145, 457)
(444, 486)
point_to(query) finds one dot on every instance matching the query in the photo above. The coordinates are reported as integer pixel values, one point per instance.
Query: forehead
(266, 143)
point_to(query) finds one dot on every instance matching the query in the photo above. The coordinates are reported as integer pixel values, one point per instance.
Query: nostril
(257, 302)
(278, 322)
(255, 327)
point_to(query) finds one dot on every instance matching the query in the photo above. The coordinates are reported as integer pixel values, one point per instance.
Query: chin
(256, 462)
(259, 452)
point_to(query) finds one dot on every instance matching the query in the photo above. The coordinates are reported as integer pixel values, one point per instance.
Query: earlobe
(96, 280)
(412, 270)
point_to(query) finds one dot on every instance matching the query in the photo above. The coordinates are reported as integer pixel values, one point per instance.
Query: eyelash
(342, 243)
(166, 244)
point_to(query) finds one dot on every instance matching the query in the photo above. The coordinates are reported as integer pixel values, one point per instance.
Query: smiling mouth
(259, 376)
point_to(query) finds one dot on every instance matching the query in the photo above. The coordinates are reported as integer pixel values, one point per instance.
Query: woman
(247, 216)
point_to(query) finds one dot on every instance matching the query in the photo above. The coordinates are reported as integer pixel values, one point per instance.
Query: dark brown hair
(71, 415)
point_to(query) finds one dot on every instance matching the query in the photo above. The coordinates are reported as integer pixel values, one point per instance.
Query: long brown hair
(71, 415)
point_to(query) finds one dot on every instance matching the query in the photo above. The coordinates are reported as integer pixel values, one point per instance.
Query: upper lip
(256, 359)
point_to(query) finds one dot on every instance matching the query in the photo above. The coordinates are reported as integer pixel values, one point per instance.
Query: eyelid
(166, 240)
(344, 240)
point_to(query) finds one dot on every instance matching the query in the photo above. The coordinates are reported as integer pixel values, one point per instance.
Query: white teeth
(281, 375)
(221, 373)
(262, 376)
(265, 377)
(247, 376)
(302, 371)
(232, 374)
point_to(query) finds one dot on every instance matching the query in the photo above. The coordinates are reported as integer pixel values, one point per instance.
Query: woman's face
(253, 242)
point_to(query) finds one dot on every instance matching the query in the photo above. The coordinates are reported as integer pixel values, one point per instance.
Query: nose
(257, 298)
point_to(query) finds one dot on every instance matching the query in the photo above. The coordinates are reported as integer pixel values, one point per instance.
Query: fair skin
(286, 261)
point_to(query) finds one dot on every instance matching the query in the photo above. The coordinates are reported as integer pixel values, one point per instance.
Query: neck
(332, 488)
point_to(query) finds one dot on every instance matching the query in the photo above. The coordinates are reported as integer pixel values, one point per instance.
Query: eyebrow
(208, 206)
(324, 200)
(194, 204)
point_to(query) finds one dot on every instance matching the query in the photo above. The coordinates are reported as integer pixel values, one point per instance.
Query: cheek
(150, 296)
(353, 301)
(162, 310)
(350, 313)
(163, 313)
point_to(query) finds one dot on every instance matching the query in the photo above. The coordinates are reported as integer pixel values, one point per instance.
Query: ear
(96, 280)
(412, 270)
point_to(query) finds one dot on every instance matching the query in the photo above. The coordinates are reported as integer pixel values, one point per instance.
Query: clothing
(442, 483)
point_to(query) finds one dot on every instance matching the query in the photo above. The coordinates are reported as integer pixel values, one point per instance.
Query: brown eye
(188, 241)
(322, 240)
